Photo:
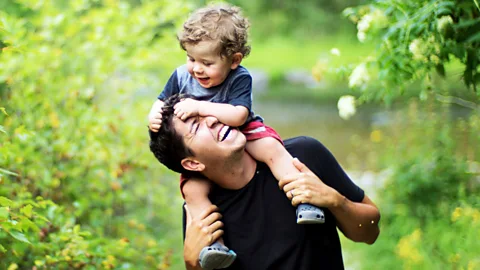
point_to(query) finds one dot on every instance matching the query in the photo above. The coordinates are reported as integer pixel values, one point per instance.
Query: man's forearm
(357, 221)
(234, 116)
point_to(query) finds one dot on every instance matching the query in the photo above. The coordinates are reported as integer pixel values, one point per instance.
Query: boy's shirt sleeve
(171, 88)
(241, 93)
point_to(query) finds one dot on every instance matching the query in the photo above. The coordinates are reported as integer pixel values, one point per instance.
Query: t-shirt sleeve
(241, 93)
(321, 162)
(171, 88)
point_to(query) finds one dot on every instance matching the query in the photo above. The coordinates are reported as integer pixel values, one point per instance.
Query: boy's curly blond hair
(221, 23)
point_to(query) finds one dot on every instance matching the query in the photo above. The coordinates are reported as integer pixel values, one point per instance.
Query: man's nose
(211, 121)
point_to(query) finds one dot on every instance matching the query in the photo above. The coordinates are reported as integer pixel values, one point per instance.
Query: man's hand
(306, 187)
(201, 231)
(155, 116)
(187, 108)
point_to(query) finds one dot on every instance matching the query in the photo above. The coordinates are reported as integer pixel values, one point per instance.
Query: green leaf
(27, 210)
(440, 68)
(474, 38)
(4, 201)
(19, 236)
(2, 109)
(2, 129)
(2, 249)
(2, 171)
(4, 213)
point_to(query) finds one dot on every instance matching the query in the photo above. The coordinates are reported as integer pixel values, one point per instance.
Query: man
(259, 219)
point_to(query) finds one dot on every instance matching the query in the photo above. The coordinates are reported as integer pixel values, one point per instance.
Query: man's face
(211, 141)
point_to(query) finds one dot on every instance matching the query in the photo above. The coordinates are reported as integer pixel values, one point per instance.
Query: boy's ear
(236, 60)
(191, 164)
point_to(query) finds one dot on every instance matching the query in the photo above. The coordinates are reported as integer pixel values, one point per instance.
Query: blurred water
(323, 123)
(348, 140)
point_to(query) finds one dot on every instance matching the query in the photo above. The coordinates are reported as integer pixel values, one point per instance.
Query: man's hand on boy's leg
(187, 108)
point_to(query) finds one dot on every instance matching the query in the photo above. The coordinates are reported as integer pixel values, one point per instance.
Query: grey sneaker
(216, 256)
(309, 214)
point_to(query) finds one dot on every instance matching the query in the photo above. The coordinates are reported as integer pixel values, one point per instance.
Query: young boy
(215, 39)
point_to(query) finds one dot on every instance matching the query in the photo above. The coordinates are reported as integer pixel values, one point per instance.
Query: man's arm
(231, 115)
(199, 233)
(357, 220)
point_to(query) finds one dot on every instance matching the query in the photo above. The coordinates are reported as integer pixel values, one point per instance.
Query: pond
(350, 140)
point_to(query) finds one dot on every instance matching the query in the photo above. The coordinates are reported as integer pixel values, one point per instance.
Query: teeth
(222, 133)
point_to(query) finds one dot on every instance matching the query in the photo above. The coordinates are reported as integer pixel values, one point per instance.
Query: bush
(429, 204)
(77, 181)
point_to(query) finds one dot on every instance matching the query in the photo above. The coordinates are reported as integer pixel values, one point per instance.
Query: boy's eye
(207, 64)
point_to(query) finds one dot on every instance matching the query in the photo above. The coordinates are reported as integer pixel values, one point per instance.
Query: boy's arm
(231, 115)
(155, 116)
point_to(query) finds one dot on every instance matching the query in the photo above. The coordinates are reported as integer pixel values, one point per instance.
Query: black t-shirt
(260, 222)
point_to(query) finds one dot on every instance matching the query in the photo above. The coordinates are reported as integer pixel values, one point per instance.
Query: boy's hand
(186, 108)
(155, 117)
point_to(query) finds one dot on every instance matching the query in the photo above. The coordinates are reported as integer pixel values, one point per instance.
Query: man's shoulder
(301, 144)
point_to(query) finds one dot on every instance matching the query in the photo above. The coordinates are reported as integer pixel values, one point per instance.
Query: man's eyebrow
(192, 124)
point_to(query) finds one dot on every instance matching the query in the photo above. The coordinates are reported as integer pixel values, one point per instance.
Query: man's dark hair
(166, 144)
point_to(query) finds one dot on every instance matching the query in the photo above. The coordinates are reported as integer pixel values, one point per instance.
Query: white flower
(335, 51)
(364, 24)
(416, 48)
(443, 23)
(361, 36)
(346, 107)
(359, 77)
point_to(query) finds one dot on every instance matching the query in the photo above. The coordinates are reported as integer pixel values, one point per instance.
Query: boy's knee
(195, 188)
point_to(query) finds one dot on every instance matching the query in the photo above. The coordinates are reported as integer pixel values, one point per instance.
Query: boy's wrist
(202, 108)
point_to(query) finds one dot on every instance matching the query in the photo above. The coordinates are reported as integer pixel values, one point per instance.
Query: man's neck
(235, 174)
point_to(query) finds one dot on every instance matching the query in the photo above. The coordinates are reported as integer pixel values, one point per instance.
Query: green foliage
(430, 206)
(77, 188)
(417, 39)
(301, 19)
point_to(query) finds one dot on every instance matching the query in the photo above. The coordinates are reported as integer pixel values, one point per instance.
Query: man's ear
(236, 60)
(191, 164)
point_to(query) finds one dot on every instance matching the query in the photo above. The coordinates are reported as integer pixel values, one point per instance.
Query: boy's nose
(197, 68)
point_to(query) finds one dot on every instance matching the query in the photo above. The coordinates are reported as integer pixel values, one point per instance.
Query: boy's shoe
(216, 256)
(309, 214)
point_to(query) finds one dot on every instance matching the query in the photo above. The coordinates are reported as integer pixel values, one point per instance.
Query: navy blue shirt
(235, 90)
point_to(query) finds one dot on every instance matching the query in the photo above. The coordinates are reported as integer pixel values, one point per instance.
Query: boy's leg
(195, 191)
(270, 151)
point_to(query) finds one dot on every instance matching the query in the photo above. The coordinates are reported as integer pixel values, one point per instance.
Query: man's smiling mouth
(223, 134)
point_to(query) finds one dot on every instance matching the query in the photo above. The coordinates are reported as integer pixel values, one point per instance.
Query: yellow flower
(454, 258)
(376, 136)
(456, 214)
(407, 247)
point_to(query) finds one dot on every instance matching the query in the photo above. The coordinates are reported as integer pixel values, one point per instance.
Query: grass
(277, 55)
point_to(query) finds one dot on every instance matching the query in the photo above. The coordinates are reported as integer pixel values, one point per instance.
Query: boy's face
(206, 65)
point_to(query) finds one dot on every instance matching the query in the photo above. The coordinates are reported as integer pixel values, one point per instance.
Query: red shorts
(253, 131)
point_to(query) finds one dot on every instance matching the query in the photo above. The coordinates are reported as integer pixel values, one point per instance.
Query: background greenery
(80, 190)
